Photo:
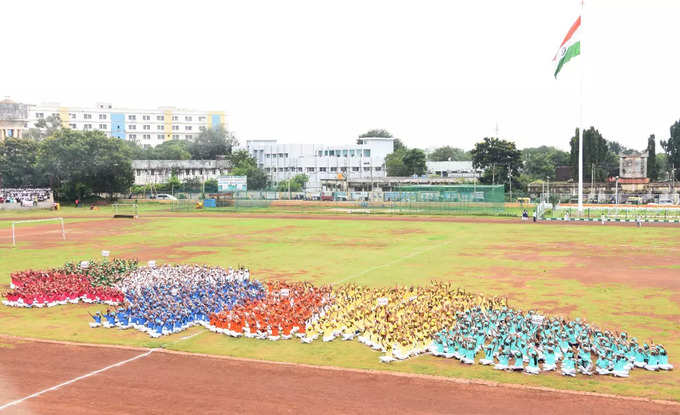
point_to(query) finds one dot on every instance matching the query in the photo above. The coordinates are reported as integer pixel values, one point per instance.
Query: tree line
(81, 164)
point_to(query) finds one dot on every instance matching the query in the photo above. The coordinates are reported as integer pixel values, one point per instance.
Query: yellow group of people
(399, 321)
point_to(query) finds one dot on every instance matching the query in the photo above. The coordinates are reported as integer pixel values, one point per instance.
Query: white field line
(388, 264)
(18, 401)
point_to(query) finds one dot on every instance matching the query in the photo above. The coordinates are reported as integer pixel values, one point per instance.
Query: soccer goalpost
(61, 220)
(125, 210)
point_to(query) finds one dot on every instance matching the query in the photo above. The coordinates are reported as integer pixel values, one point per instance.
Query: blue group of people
(512, 340)
(168, 299)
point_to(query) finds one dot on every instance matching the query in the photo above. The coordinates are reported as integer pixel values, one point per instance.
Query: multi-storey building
(147, 127)
(365, 159)
(13, 119)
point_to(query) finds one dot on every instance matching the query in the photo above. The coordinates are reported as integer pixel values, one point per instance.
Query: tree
(500, 159)
(170, 150)
(18, 163)
(79, 163)
(661, 166)
(541, 162)
(376, 133)
(652, 172)
(297, 183)
(672, 149)
(598, 155)
(394, 164)
(414, 162)
(44, 127)
(449, 153)
(243, 164)
(211, 143)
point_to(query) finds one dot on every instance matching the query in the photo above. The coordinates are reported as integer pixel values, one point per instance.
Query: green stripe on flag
(573, 50)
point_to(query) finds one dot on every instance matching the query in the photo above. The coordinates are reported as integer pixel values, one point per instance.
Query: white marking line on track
(191, 336)
(387, 264)
(18, 401)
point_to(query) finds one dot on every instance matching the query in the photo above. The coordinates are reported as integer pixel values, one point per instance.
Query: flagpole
(580, 138)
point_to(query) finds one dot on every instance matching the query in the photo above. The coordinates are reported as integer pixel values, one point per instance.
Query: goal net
(19, 222)
(125, 210)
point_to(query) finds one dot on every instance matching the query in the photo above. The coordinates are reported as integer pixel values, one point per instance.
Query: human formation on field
(400, 322)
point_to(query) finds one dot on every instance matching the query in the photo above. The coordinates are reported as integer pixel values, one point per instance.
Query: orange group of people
(284, 312)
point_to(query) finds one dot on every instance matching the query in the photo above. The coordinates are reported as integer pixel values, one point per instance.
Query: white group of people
(24, 195)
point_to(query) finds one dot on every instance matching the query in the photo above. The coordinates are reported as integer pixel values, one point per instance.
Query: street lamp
(616, 197)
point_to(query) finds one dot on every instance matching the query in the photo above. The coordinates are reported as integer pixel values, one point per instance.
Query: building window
(175, 127)
(281, 169)
(87, 127)
(159, 127)
(344, 153)
(367, 169)
(330, 153)
(146, 117)
(201, 128)
(267, 155)
(175, 118)
(133, 136)
(355, 169)
(132, 117)
(334, 169)
(310, 169)
(351, 153)
(322, 169)
(187, 118)
(102, 116)
(146, 127)
(39, 115)
(159, 118)
(72, 115)
(160, 136)
(175, 136)
(267, 169)
(320, 153)
(188, 136)
(367, 153)
(378, 168)
(299, 169)
(102, 126)
(201, 119)
(147, 136)
(187, 128)
(133, 127)
(343, 169)
(72, 126)
(286, 155)
(87, 116)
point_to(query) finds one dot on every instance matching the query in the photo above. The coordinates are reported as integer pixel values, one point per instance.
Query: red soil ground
(169, 383)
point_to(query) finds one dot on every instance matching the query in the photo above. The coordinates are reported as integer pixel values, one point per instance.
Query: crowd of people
(50, 288)
(24, 195)
(515, 341)
(170, 298)
(398, 321)
(281, 314)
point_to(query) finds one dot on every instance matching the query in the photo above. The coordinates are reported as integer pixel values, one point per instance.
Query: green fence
(454, 199)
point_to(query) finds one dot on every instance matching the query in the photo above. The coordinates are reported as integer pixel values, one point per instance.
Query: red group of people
(49, 288)
(282, 313)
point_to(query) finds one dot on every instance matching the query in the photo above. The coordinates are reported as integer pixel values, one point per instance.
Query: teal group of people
(511, 340)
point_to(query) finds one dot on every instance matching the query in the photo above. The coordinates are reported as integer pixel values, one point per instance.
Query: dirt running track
(169, 383)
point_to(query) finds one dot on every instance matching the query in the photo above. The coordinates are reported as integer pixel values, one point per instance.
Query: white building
(146, 127)
(365, 159)
(160, 171)
(13, 119)
(455, 169)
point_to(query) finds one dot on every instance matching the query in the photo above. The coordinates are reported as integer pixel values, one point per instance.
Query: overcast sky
(431, 72)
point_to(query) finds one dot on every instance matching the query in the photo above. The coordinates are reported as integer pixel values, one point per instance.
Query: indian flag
(570, 47)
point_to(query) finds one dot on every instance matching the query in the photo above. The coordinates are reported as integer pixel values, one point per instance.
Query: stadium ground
(618, 277)
(178, 383)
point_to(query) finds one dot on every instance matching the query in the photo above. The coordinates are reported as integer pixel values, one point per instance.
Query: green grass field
(615, 277)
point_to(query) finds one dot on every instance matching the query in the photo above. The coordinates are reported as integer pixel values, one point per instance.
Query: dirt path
(169, 383)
